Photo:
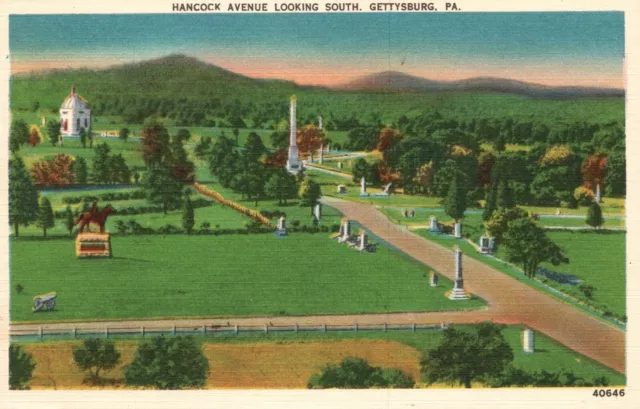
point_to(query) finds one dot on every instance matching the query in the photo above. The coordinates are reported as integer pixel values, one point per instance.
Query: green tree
(90, 138)
(223, 161)
(101, 172)
(118, 170)
(83, 137)
(53, 130)
(80, 170)
(68, 219)
(357, 373)
(499, 145)
(21, 366)
(183, 135)
(464, 357)
(615, 176)
(168, 363)
(161, 187)
(188, 215)
(236, 134)
(456, 201)
(18, 134)
(155, 142)
(498, 224)
(528, 244)
(360, 170)
(505, 199)
(281, 186)
(23, 196)
(45, 218)
(124, 134)
(95, 355)
(594, 216)
(491, 204)
(279, 140)
(253, 149)
(309, 193)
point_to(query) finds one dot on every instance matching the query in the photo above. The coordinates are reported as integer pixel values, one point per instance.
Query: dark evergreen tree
(18, 134)
(188, 215)
(23, 196)
(505, 198)
(101, 172)
(594, 216)
(456, 201)
(80, 170)
(45, 218)
(53, 130)
(21, 366)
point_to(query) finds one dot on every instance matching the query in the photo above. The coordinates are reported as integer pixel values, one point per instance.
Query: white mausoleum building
(75, 114)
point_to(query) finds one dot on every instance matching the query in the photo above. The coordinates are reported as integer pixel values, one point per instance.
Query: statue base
(93, 245)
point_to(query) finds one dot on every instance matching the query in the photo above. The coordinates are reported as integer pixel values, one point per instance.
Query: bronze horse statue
(95, 217)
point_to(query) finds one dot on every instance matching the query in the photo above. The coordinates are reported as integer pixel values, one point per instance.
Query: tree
(55, 171)
(464, 357)
(45, 216)
(360, 170)
(388, 138)
(357, 373)
(21, 366)
(188, 215)
(281, 186)
(95, 355)
(456, 201)
(124, 134)
(101, 172)
(23, 196)
(80, 170)
(155, 140)
(90, 138)
(236, 134)
(424, 178)
(499, 145)
(491, 203)
(279, 140)
(498, 223)
(161, 187)
(68, 219)
(83, 138)
(615, 178)
(183, 135)
(202, 147)
(309, 138)
(505, 199)
(168, 363)
(253, 149)
(18, 134)
(593, 170)
(309, 193)
(53, 130)
(528, 244)
(594, 216)
(34, 136)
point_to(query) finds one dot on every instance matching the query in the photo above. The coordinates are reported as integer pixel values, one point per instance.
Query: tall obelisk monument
(294, 165)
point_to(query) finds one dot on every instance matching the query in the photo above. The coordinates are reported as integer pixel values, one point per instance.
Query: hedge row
(235, 206)
(135, 210)
(136, 194)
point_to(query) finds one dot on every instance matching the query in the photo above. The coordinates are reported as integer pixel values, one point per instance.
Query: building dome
(75, 101)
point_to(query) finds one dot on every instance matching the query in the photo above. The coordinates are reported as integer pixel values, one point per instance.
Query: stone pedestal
(282, 227)
(92, 245)
(528, 346)
(433, 224)
(458, 292)
(363, 187)
(457, 230)
(317, 211)
(345, 231)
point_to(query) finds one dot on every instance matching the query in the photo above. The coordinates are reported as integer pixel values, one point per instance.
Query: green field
(233, 275)
(596, 257)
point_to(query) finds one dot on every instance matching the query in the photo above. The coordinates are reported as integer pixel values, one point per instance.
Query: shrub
(168, 363)
(21, 366)
(356, 373)
(583, 195)
(94, 355)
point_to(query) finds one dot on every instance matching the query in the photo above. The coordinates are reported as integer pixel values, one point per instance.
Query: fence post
(355, 326)
(142, 330)
(204, 329)
(106, 332)
(324, 327)
(236, 329)
(174, 330)
(413, 327)
(296, 327)
(266, 329)
(385, 327)
(75, 332)
(40, 332)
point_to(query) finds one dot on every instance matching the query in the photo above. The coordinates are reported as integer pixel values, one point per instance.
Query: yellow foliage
(458, 150)
(557, 155)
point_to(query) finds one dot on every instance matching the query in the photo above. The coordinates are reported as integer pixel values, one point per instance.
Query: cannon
(44, 302)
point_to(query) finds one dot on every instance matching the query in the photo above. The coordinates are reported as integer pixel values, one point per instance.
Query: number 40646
(608, 392)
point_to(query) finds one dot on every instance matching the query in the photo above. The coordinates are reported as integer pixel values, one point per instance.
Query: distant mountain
(394, 81)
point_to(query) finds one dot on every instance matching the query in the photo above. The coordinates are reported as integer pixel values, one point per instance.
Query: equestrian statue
(94, 216)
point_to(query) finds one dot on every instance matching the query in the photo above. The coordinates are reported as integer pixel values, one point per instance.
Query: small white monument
(317, 211)
(385, 190)
(434, 226)
(433, 279)
(340, 165)
(294, 165)
(362, 241)
(320, 154)
(528, 346)
(458, 292)
(345, 231)
(363, 187)
(319, 122)
(487, 244)
(282, 227)
(597, 198)
(44, 121)
(457, 230)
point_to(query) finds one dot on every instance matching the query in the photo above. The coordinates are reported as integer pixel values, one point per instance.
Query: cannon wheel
(49, 305)
(37, 304)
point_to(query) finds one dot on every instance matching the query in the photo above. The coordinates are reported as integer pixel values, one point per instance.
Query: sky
(562, 48)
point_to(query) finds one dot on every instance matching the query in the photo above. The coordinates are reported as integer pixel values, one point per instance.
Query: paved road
(509, 301)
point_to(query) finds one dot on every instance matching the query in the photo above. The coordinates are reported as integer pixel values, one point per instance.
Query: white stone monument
(433, 279)
(458, 292)
(362, 241)
(319, 122)
(528, 346)
(487, 244)
(294, 165)
(282, 227)
(317, 211)
(433, 224)
(340, 165)
(363, 187)
(75, 115)
(320, 154)
(597, 198)
(44, 121)
(457, 230)
(345, 231)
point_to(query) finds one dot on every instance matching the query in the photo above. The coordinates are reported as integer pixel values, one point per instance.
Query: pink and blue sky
(568, 48)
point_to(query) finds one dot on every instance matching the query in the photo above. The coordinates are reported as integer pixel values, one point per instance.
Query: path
(510, 300)
(324, 170)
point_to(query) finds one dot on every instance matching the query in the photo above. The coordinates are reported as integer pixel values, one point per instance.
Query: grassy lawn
(156, 276)
(598, 258)
(289, 360)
